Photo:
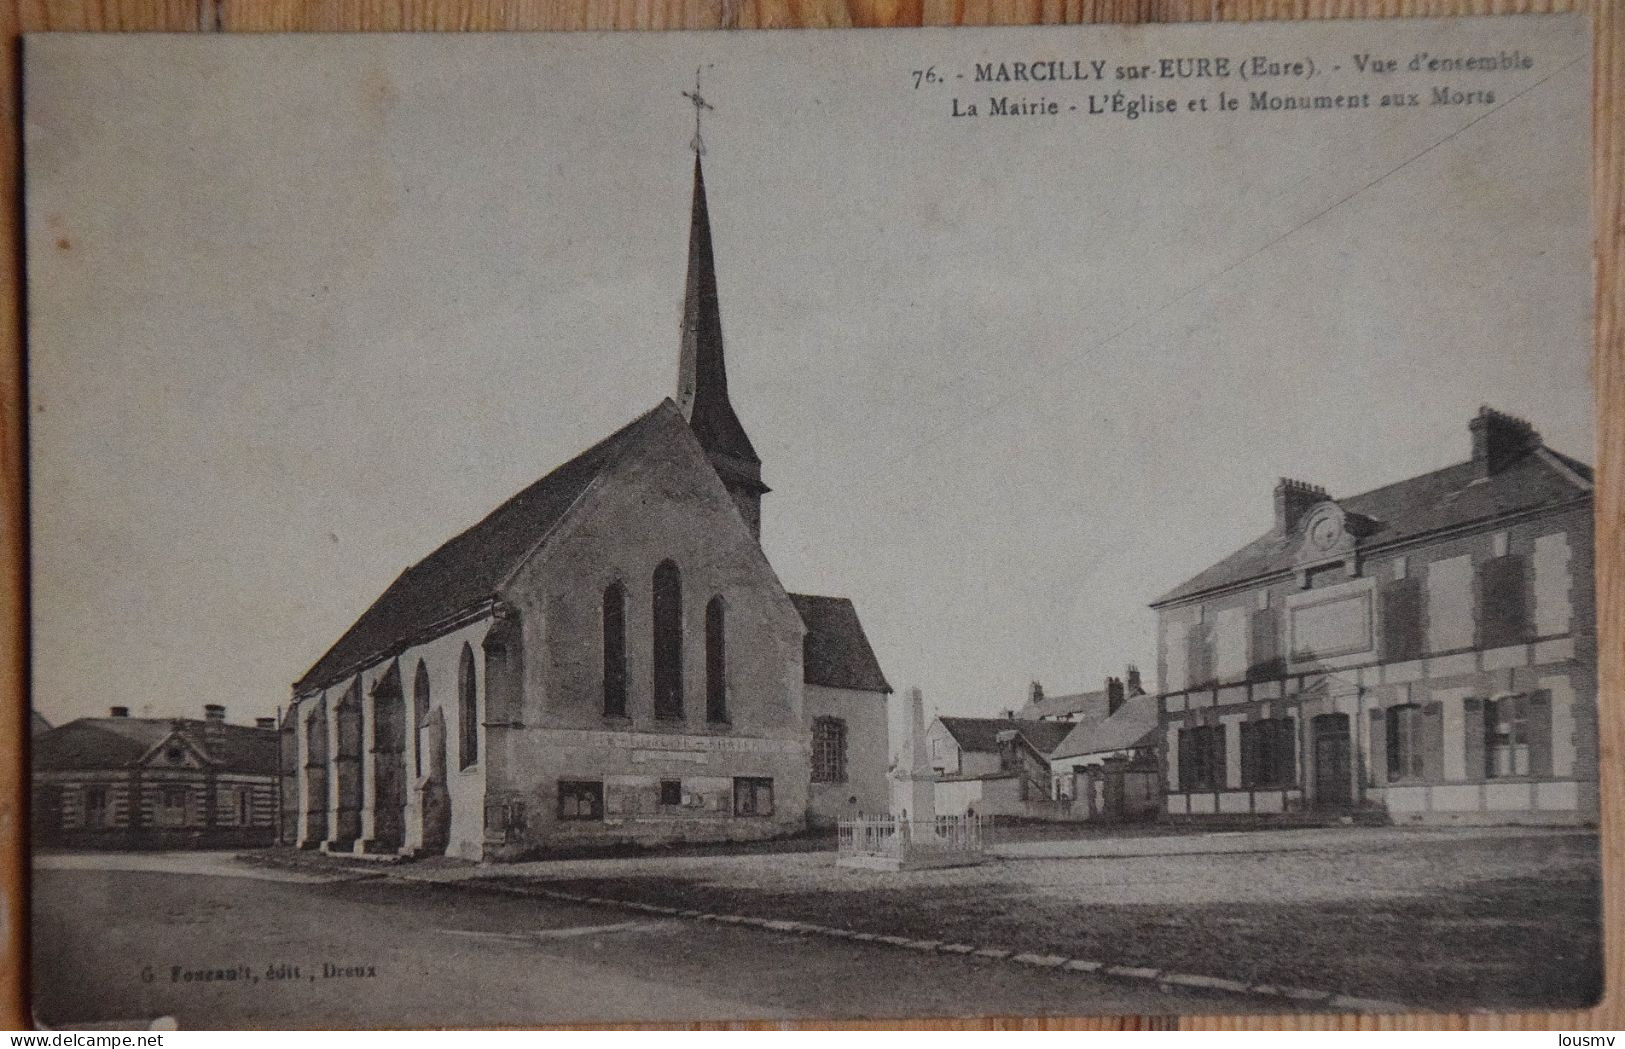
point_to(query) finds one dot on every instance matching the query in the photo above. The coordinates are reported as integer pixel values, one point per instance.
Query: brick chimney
(118, 712)
(1114, 695)
(1292, 500)
(269, 723)
(1499, 440)
(214, 712)
(1131, 677)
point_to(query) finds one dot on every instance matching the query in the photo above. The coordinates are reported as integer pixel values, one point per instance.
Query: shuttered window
(1264, 657)
(1268, 753)
(1404, 742)
(1201, 757)
(1503, 602)
(1402, 623)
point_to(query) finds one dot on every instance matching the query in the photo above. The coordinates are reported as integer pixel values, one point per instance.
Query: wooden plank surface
(23, 16)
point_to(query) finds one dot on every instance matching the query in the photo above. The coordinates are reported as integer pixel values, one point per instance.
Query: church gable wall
(858, 784)
(660, 777)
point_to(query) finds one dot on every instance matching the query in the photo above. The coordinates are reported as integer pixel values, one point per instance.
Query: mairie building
(606, 657)
(1425, 651)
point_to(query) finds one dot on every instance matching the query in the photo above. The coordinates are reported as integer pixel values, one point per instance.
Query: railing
(946, 837)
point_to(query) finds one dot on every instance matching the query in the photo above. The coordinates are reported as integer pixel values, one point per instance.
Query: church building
(607, 657)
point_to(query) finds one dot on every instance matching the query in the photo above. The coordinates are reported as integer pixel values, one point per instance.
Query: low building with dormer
(146, 783)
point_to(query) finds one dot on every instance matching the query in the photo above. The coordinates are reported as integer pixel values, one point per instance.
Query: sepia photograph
(811, 526)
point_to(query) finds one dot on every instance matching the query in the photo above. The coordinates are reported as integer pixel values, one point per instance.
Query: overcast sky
(303, 308)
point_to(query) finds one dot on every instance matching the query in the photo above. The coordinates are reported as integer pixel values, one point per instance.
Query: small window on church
(581, 799)
(467, 710)
(615, 651)
(668, 641)
(829, 751)
(420, 708)
(753, 796)
(716, 662)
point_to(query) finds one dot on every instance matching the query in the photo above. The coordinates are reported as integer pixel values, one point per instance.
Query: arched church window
(668, 641)
(467, 710)
(615, 651)
(829, 750)
(716, 661)
(420, 714)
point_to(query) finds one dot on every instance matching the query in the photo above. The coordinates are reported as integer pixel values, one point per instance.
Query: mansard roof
(114, 743)
(982, 734)
(466, 571)
(1452, 497)
(835, 651)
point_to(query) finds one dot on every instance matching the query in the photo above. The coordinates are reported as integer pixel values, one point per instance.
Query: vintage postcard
(811, 525)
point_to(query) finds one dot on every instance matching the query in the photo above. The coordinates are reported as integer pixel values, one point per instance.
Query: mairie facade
(1424, 652)
(606, 657)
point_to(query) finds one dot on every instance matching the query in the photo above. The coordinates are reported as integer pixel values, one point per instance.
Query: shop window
(1268, 754)
(581, 800)
(753, 796)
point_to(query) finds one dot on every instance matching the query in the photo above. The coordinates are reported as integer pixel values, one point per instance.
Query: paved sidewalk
(206, 864)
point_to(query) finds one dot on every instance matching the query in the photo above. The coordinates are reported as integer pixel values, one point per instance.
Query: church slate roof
(113, 743)
(982, 734)
(836, 652)
(1429, 502)
(467, 569)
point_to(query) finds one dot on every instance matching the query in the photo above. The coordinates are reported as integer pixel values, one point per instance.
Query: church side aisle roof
(467, 569)
(836, 652)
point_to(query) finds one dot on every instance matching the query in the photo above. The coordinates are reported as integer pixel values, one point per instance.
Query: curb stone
(1338, 1002)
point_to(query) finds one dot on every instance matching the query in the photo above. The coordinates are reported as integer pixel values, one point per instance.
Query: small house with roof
(1426, 650)
(991, 766)
(142, 783)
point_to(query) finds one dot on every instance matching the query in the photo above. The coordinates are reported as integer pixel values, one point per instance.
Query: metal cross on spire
(699, 102)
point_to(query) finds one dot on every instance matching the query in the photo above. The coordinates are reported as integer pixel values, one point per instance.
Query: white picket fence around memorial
(889, 843)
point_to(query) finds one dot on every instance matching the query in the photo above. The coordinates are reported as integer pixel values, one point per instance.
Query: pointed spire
(702, 374)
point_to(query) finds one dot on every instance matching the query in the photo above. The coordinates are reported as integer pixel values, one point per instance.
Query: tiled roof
(113, 743)
(982, 734)
(467, 569)
(1445, 498)
(836, 651)
(1134, 725)
(1076, 705)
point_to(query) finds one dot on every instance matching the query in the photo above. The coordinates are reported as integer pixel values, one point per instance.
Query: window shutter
(1473, 715)
(1503, 597)
(1265, 661)
(1402, 620)
(1196, 658)
(1432, 742)
(1287, 760)
(1186, 754)
(1249, 753)
(1221, 775)
(1379, 748)
(1540, 733)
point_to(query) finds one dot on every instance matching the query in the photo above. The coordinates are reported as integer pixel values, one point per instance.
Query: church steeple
(702, 374)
